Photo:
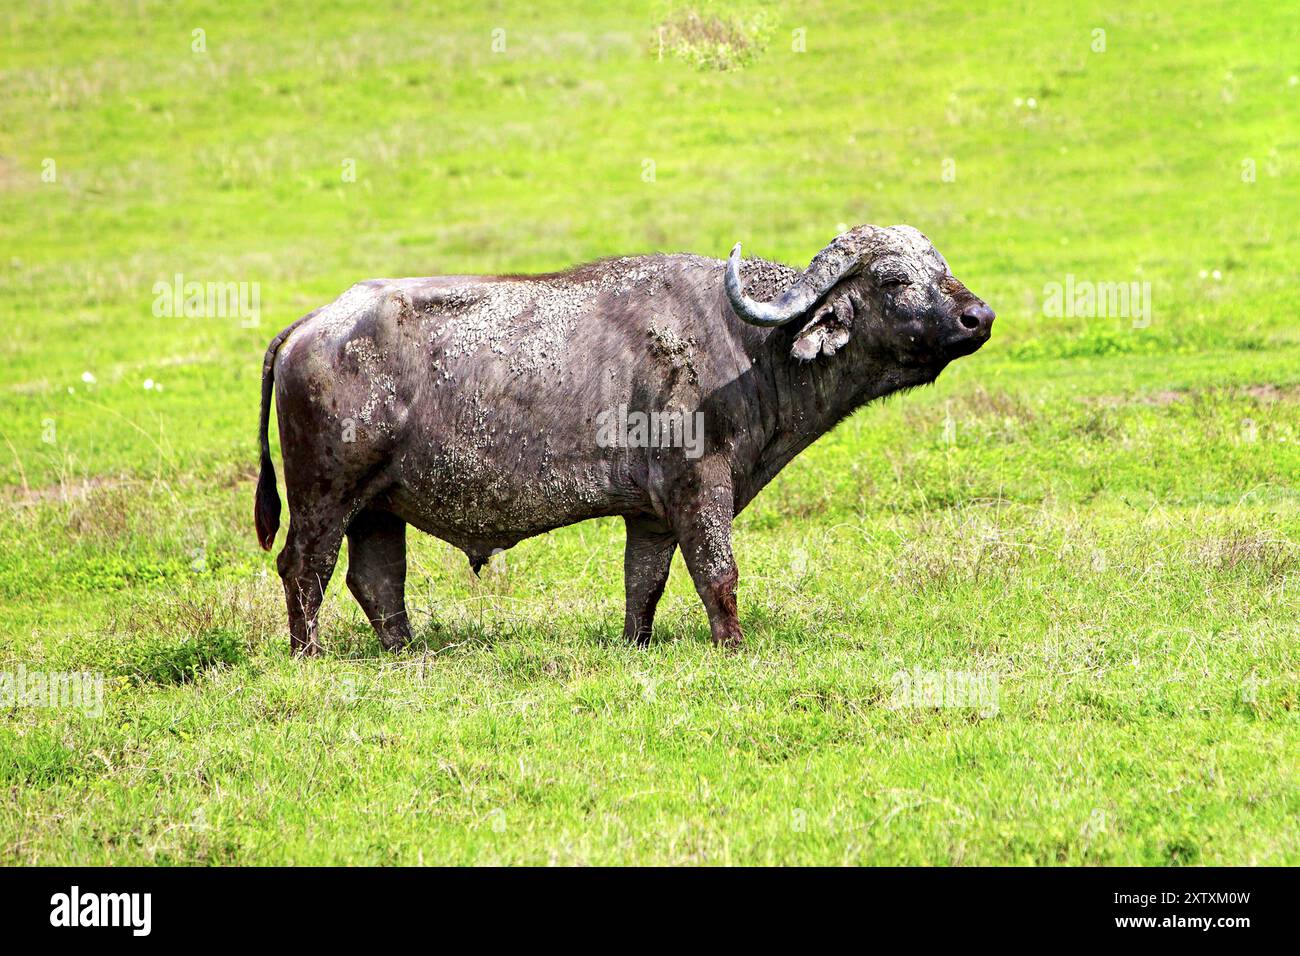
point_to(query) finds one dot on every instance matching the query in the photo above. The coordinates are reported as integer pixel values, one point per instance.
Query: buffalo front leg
(647, 558)
(703, 526)
(377, 574)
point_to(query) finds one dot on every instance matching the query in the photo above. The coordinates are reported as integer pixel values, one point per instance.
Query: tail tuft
(266, 509)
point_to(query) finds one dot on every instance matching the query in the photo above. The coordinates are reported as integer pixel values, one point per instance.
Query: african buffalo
(478, 408)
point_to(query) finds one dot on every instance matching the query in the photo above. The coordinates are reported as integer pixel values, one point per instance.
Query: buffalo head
(888, 288)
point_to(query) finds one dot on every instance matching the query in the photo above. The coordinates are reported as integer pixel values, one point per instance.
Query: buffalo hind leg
(306, 565)
(703, 529)
(646, 561)
(377, 574)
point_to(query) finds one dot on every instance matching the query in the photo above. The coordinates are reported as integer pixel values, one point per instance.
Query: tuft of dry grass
(1271, 556)
(251, 607)
(709, 42)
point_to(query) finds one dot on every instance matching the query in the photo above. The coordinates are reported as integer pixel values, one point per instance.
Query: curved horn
(827, 268)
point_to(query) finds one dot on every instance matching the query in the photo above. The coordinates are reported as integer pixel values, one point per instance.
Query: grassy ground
(1100, 521)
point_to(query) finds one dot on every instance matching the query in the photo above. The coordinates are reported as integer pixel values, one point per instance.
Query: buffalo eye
(894, 282)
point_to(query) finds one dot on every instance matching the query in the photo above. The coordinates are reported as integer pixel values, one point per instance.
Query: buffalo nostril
(977, 316)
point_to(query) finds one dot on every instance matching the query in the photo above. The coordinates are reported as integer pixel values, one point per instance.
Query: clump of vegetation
(37, 757)
(710, 42)
(174, 636)
(180, 659)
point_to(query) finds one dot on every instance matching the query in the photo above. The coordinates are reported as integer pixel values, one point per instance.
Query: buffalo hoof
(729, 639)
(394, 642)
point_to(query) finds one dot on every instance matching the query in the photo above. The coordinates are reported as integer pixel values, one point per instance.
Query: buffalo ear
(828, 331)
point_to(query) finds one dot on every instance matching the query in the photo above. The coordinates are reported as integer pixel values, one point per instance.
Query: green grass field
(1100, 520)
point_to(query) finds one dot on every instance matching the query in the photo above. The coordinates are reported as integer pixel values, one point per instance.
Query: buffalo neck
(809, 398)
